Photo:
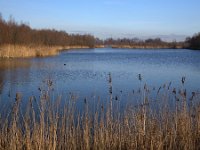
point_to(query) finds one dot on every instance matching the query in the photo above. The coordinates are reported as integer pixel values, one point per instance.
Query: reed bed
(23, 51)
(53, 124)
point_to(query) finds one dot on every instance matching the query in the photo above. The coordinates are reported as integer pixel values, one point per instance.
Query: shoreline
(147, 47)
(23, 51)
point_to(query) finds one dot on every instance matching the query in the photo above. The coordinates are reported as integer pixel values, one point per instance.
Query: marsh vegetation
(170, 121)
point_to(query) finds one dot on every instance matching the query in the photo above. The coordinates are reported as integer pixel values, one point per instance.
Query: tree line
(193, 42)
(12, 32)
(189, 43)
(135, 42)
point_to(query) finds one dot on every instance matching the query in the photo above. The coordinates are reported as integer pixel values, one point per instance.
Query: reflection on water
(11, 69)
(8, 64)
(85, 72)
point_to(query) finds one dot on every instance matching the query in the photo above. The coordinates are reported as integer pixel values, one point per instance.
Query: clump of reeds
(21, 51)
(173, 122)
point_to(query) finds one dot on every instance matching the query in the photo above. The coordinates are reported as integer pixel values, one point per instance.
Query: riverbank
(147, 46)
(23, 51)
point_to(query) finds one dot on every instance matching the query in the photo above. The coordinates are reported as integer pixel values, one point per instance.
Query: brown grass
(16, 51)
(21, 51)
(52, 124)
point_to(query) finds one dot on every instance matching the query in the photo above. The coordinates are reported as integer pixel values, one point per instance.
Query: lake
(85, 73)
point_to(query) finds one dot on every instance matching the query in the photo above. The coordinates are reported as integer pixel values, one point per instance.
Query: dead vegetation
(172, 121)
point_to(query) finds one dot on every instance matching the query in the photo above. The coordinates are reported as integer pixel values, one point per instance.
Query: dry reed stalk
(23, 51)
(16, 51)
(48, 124)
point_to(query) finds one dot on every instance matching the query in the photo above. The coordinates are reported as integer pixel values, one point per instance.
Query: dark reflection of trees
(7, 64)
(13, 69)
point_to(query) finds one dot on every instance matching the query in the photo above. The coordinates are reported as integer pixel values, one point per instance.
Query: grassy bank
(22, 51)
(148, 46)
(51, 124)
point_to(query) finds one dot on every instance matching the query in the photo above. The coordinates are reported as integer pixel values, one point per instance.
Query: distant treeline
(189, 43)
(13, 33)
(138, 43)
(193, 42)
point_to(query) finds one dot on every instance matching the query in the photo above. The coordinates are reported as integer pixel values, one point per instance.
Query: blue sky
(170, 19)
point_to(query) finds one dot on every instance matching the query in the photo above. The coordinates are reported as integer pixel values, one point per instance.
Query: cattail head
(193, 94)
(109, 78)
(49, 83)
(174, 91)
(139, 77)
(102, 108)
(39, 89)
(85, 100)
(18, 97)
(116, 98)
(183, 80)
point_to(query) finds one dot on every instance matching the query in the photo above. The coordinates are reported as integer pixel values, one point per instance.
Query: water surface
(85, 72)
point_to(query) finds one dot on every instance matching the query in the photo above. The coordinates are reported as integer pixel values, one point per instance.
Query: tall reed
(172, 121)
